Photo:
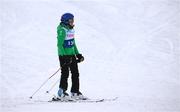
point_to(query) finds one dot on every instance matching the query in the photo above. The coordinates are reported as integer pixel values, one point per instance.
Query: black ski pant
(73, 67)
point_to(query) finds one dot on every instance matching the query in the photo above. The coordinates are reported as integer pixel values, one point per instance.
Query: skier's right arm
(61, 36)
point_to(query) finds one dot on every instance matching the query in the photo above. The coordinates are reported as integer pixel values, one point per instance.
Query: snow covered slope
(131, 49)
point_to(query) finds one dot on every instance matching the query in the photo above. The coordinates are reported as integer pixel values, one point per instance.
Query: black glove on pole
(80, 58)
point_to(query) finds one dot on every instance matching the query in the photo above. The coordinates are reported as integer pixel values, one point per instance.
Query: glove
(80, 58)
(67, 60)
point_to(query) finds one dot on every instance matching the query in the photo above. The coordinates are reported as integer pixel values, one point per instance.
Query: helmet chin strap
(71, 26)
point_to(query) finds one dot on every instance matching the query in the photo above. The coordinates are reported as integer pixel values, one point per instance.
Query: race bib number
(68, 43)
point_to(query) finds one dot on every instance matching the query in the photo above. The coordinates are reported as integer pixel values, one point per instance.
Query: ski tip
(115, 98)
(100, 100)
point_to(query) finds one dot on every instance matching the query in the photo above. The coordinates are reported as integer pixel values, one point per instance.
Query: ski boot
(62, 96)
(78, 96)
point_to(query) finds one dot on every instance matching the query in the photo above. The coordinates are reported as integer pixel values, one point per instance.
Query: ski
(84, 100)
(71, 100)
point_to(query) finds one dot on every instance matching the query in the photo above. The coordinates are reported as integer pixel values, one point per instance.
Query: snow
(131, 50)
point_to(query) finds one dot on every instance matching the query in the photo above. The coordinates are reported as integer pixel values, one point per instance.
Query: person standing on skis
(69, 56)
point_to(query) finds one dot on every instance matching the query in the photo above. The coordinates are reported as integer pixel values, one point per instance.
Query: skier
(69, 56)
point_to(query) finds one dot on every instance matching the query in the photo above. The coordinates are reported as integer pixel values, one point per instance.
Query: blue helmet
(65, 17)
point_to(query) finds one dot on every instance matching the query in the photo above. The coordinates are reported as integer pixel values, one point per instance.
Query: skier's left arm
(79, 56)
(75, 48)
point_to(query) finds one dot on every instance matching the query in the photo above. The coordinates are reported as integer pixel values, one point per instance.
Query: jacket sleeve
(75, 48)
(61, 36)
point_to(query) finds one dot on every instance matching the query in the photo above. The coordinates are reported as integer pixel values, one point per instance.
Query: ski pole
(44, 83)
(52, 86)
